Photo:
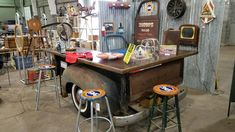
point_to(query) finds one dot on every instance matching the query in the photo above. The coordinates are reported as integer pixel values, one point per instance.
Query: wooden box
(9, 42)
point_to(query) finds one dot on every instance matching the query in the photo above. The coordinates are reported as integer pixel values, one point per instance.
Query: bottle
(120, 29)
(58, 47)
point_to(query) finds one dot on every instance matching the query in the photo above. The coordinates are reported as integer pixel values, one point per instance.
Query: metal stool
(165, 91)
(92, 95)
(41, 69)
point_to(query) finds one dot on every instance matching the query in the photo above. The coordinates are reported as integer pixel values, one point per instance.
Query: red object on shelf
(103, 32)
(119, 5)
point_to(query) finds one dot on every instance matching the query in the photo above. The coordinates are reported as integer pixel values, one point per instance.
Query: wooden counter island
(137, 77)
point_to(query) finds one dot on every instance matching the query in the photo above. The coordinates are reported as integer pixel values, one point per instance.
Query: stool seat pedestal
(165, 91)
(41, 69)
(91, 96)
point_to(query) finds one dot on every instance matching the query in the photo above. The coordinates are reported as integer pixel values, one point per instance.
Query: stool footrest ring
(98, 117)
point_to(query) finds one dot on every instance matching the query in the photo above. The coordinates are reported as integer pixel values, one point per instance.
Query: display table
(137, 77)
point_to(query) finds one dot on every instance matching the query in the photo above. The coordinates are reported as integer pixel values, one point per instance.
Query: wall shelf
(119, 5)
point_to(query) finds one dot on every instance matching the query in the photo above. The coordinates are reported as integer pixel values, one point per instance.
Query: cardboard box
(95, 37)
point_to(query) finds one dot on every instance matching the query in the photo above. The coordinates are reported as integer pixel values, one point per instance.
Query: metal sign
(147, 26)
(207, 14)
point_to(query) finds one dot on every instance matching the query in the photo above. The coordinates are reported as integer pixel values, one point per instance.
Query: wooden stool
(91, 95)
(41, 69)
(165, 91)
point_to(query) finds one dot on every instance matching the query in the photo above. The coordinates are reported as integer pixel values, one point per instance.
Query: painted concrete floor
(200, 112)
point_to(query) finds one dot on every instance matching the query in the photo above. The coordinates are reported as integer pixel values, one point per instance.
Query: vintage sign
(207, 14)
(147, 26)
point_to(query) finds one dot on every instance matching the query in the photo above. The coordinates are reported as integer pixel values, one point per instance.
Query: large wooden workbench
(137, 77)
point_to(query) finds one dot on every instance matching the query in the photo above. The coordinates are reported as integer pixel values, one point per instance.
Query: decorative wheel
(85, 107)
(65, 31)
(176, 8)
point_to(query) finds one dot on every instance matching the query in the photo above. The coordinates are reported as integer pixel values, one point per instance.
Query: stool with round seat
(42, 68)
(92, 95)
(165, 91)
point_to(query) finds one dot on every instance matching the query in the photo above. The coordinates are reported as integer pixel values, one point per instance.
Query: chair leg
(56, 88)
(78, 116)
(151, 112)
(92, 119)
(164, 116)
(110, 115)
(38, 90)
(178, 113)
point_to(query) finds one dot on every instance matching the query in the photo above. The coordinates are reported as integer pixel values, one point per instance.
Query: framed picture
(109, 26)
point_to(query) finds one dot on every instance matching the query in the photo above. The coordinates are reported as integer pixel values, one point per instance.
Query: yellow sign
(129, 52)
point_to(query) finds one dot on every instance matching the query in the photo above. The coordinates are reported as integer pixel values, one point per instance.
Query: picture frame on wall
(109, 26)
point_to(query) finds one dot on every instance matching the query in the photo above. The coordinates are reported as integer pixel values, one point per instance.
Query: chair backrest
(34, 26)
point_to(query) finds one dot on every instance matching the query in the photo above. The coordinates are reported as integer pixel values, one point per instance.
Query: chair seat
(166, 90)
(46, 67)
(93, 94)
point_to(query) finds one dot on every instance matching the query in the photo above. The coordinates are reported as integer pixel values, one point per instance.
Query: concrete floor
(200, 112)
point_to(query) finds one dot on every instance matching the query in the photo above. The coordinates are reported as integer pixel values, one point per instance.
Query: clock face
(176, 8)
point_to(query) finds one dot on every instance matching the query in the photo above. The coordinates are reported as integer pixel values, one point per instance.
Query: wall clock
(176, 8)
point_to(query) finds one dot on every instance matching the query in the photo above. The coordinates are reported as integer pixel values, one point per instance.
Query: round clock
(176, 8)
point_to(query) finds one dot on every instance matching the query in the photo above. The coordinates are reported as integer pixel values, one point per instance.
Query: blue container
(28, 62)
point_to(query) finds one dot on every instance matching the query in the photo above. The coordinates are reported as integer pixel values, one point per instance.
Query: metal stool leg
(229, 108)
(151, 112)
(78, 116)
(8, 75)
(164, 116)
(96, 120)
(56, 88)
(38, 90)
(109, 111)
(92, 119)
(178, 113)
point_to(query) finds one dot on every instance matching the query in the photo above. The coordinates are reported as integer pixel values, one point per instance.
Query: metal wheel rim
(176, 8)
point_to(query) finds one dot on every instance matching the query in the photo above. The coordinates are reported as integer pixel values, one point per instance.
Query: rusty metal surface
(85, 78)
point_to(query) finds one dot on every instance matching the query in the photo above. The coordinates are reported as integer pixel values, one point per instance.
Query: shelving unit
(79, 29)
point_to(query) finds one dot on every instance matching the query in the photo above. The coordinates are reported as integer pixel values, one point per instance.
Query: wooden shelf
(119, 5)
